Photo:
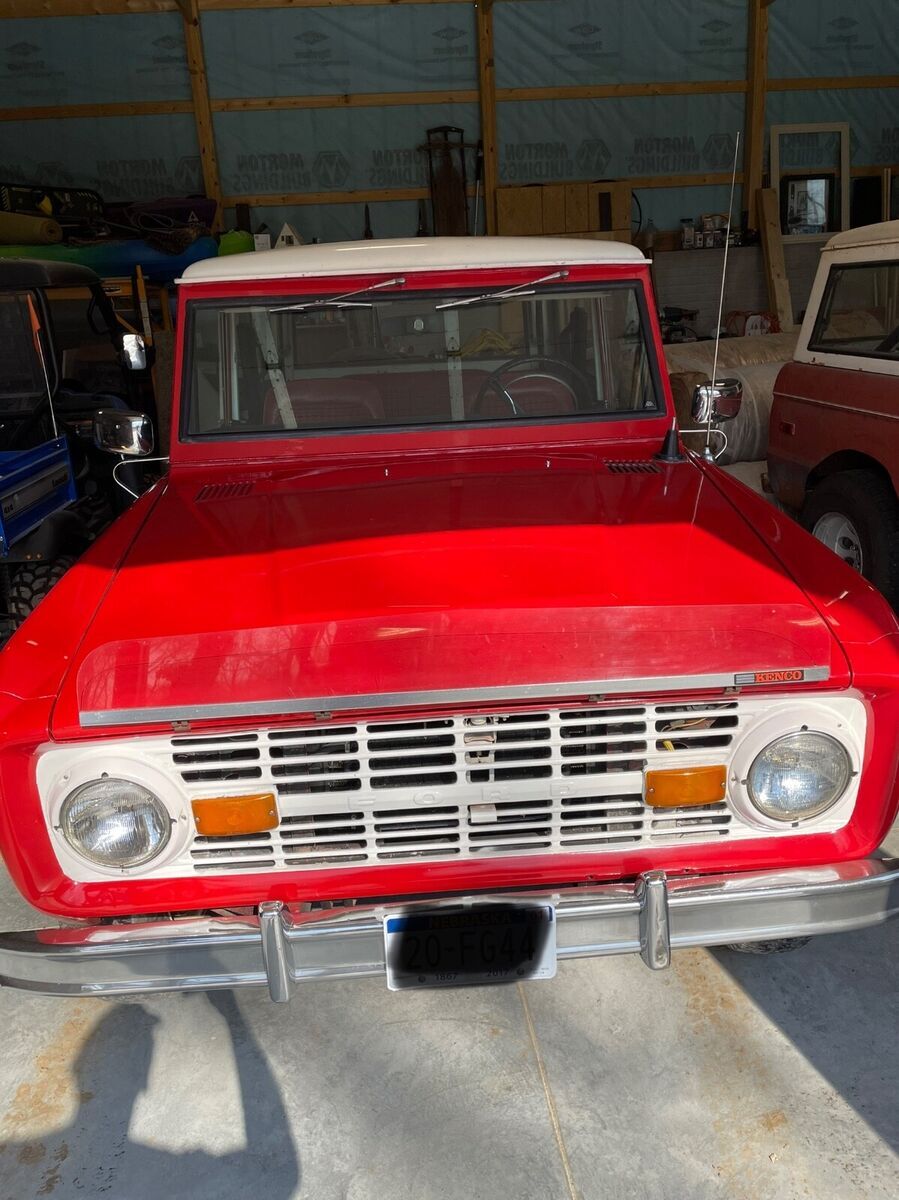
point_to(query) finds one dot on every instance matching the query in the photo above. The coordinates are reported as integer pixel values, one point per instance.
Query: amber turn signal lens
(225, 815)
(686, 786)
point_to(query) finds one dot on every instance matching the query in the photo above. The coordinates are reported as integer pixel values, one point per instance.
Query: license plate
(487, 943)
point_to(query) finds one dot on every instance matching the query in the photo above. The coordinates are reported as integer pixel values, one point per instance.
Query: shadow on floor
(837, 1000)
(94, 1155)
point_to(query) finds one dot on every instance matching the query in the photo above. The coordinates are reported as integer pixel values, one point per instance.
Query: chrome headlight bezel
(844, 725)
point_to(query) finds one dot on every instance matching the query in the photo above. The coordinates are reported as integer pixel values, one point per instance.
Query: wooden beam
(221, 5)
(342, 100)
(754, 124)
(826, 83)
(100, 8)
(196, 64)
(702, 179)
(276, 200)
(779, 298)
(83, 8)
(63, 112)
(487, 90)
(370, 196)
(611, 91)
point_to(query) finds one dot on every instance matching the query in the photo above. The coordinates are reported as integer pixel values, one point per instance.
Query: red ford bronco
(833, 451)
(434, 656)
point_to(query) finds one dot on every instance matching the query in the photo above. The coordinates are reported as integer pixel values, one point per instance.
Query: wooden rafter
(130, 108)
(487, 92)
(757, 77)
(832, 82)
(342, 100)
(609, 91)
(98, 8)
(199, 86)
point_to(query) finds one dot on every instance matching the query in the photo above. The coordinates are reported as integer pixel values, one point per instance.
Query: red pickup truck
(434, 656)
(833, 449)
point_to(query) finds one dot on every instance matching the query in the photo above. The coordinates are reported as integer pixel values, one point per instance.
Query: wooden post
(487, 91)
(196, 63)
(756, 82)
(779, 297)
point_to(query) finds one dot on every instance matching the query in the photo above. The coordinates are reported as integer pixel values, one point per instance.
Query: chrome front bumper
(279, 948)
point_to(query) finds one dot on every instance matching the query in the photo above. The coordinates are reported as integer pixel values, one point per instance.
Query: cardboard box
(519, 210)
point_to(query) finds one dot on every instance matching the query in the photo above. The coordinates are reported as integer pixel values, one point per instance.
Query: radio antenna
(707, 453)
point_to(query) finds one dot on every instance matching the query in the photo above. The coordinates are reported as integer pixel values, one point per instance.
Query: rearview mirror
(134, 352)
(718, 401)
(123, 432)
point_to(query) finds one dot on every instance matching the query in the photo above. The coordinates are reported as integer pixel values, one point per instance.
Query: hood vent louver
(632, 467)
(224, 491)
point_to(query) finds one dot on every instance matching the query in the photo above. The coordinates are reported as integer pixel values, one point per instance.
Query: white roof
(865, 235)
(408, 254)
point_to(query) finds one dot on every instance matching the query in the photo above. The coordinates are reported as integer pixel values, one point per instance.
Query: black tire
(30, 584)
(775, 946)
(869, 502)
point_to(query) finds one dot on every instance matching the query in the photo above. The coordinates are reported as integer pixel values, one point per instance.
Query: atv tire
(31, 583)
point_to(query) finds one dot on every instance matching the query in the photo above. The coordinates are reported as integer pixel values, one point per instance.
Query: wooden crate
(609, 206)
(601, 235)
(577, 207)
(519, 210)
(557, 208)
(553, 207)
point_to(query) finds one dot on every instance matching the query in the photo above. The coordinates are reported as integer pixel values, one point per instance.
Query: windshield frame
(281, 293)
(16, 405)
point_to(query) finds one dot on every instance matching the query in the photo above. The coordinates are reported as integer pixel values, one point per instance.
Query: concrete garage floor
(727, 1076)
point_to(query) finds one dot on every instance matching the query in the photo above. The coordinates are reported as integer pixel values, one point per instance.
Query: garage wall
(258, 61)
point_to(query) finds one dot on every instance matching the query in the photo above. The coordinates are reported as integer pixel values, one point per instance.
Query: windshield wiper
(521, 289)
(341, 301)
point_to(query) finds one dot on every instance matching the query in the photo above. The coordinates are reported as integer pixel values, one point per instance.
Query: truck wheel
(775, 946)
(30, 584)
(856, 515)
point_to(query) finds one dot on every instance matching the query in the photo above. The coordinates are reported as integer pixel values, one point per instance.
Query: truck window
(414, 359)
(859, 312)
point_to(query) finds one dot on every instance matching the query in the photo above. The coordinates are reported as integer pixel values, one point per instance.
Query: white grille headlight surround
(799, 776)
(115, 823)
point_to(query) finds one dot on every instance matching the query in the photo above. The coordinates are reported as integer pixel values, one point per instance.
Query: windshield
(406, 359)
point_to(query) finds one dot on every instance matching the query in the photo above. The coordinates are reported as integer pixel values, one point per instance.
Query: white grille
(554, 781)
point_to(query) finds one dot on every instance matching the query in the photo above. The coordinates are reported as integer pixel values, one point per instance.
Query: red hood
(493, 571)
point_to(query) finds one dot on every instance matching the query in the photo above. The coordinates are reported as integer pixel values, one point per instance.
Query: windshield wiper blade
(521, 289)
(341, 300)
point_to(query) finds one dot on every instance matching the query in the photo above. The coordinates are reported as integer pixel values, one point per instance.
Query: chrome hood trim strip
(387, 700)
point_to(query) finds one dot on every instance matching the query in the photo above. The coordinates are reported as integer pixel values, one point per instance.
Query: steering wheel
(494, 383)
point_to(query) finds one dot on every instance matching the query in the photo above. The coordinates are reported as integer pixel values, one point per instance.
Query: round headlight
(799, 776)
(115, 823)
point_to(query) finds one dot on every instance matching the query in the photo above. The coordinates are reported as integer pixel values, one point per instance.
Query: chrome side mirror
(123, 432)
(718, 401)
(134, 352)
